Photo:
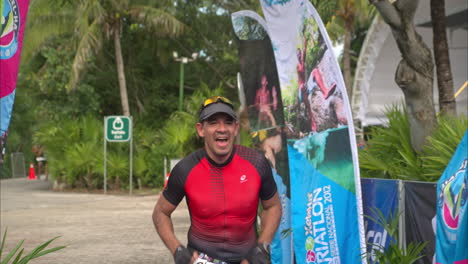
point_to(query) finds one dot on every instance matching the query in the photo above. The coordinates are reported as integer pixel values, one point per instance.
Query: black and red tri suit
(222, 200)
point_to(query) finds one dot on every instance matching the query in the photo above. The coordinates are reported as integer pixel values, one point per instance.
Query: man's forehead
(220, 115)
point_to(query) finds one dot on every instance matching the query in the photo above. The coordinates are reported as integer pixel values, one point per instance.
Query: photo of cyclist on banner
(317, 88)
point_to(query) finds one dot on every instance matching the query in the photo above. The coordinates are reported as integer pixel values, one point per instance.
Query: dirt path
(96, 228)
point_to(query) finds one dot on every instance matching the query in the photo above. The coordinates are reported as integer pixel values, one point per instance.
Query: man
(302, 79)
(222, 184)
(41, 161)
(262, 103)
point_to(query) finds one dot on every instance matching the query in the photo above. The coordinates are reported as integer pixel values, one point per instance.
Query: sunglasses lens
(216, 99)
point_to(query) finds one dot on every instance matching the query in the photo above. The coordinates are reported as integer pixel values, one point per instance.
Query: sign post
(118, 129)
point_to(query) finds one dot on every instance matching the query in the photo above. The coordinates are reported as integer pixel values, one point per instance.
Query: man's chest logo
(243, 179)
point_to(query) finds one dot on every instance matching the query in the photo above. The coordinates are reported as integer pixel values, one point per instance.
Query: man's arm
(271, 217)
(163, 223)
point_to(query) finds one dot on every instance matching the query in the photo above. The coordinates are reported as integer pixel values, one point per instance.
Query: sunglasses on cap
(217, 99)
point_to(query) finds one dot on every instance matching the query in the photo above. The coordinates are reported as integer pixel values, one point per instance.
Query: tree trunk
(414, 74)
(347, 62)
(447, 104)
(121, 72)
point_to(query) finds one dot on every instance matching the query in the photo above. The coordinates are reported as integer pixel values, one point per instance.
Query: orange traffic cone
(32, 173)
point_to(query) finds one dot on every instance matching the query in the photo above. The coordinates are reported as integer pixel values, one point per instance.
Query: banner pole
(401, 221)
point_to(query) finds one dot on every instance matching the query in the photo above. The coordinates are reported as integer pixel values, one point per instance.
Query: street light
(183, 60)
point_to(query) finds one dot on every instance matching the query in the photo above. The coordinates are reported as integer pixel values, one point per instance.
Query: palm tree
(94, 21)
(349, 16)
(447, 102)
(44, 21)
(107, 17)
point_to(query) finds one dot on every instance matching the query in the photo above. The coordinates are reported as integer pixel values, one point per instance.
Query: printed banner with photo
(381, 195)
(11, 40)
(327, 222)
(263, 115)
(452, 209)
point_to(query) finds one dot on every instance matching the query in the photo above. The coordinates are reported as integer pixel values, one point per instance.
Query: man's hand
(259, 254)
(183, 255)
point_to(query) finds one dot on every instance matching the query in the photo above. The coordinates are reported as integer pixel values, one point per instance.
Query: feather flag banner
(11, 40)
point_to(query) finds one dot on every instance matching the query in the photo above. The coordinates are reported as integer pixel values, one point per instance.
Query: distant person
(41, 161)
(2, 148)
(263, 104)
(302, 79)
(222, 184)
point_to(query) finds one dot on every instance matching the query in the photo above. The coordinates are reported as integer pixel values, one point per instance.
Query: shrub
(388, 152)
(20, 259)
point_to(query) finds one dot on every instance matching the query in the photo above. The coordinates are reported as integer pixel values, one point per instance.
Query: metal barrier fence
(18, 168)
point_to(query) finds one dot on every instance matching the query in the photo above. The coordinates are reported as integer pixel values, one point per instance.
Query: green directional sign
(118, 128)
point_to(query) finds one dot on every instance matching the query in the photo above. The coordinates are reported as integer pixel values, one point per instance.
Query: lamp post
(182, 60)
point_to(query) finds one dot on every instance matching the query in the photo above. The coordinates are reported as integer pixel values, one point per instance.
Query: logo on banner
(310, 254)
(452, 198)
(276, 2)
(376, 241)
(10, 29)
(321, 243)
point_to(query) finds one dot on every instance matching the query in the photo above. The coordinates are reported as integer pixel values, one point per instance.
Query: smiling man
(222, 184)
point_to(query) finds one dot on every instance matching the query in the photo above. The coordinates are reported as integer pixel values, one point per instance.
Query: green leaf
(36, 252)
(48, 251)
(18, 256)
(393, 253)
(286, 232)
(12, 253)
(3, 242)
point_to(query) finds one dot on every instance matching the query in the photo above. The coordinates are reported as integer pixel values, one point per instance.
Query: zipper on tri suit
(224, 207)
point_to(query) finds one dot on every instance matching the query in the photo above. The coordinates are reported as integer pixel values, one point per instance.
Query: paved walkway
(96, 228)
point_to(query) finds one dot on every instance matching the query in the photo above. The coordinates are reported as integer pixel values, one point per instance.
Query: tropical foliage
(349, 25)
(20, 259)
(389, 154)
(394, 253)
(441, 145)
(90, 23)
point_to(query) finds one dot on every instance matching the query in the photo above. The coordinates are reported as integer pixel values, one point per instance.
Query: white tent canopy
(374, 86)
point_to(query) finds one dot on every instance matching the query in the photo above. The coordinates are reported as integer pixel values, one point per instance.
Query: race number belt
(205, 259)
